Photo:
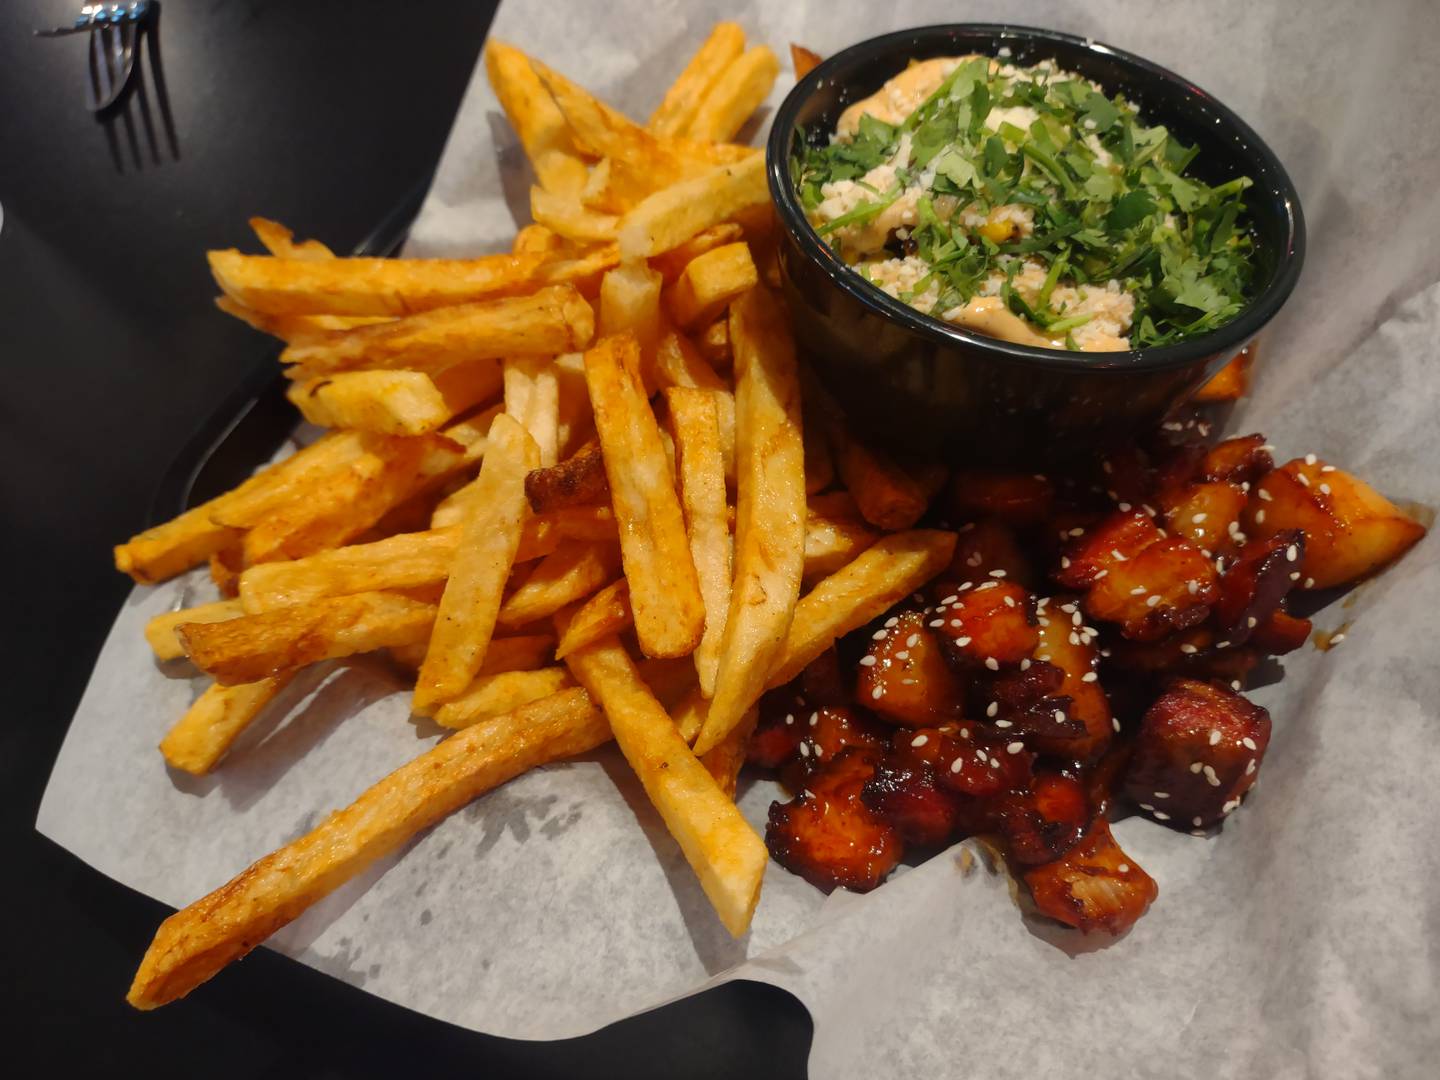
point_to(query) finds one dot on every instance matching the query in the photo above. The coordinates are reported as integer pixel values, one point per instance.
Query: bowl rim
(1227, 338)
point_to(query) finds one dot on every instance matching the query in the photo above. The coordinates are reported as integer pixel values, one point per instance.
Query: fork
(114, 30)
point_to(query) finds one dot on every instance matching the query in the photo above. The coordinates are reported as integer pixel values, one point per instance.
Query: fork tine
(96, 63)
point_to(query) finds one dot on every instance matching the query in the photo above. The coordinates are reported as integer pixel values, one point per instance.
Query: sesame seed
(952, 598)
(1324, 489)
(1115, 722)
(879, 635)
(903, 654)
(1250, 768)
(1002, 724)
(1309, 583)
(1198, 518)
(807, 794)
(1013, 748)
(1044, 621)
(1195, 766)
(1009, 601)
(1234, 684)
(804, 749)
(964, 733)
(1069, 609)
(891, 622)
(997, 573)
(1311, 459)
(920, 740)
(1076, 618)
(1160, 815)
(1304, 481)
(956, 765)
(1161, 794)
(814, 719)
(992, 663)
(992, 709)
(1193, 587)
(957, 623)
(789, 718)
(867, 661)
(1265, 496)
(1292, 553)
(994, 763)
(1188, 649)
(973, 560)
(1025, 664)
(1074, 638)
(1077, 531)
(1139, 590)
(1116, 555)
(1101, 574)
(1064, 562)
(1059, 716)
(1210, 777)
(1147, 807)
(1105, 652)
(987, 585)
(1295, 575)
(936, 622)
(912, 641)
(1124, 868)
(1124, 508)
(877, 692)
(1153, 600)
(962, 641)
(967, 585)
(1089, 676)
(1196, 820)
(1222, 644)
(1197, 832)
(1229, 806)
(1214, 736)
(1336, 639)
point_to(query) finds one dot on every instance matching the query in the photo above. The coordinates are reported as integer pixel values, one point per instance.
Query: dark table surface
(321, 114)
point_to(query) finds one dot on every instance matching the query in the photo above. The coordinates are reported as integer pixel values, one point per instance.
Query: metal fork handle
(94, 15)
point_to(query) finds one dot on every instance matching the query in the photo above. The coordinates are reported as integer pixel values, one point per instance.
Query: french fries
(578, 481)
(572, 572)
(535, 118)
(488, 541)
(160, 631)
(673, 215)
(195, 943)
(490, 696)
(681, 102)
(395, 402)
(770, 514)
(532, 396)
(255, 647)
(664, 591)
(710, 282)
(701, 469)
(365, 286)
(736, 94)
(604, 614)
(566, 216)
(553, 320)
(202, 736)
(722, 849)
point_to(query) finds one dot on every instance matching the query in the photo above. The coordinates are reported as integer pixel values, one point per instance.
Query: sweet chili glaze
(1081, 658)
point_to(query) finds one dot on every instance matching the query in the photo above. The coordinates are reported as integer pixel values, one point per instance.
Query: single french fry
(878, 579)
(689, 713)
(366, 286)
(1230, 382)
(709, 283)
(255, 647)
(532, 396)
(409, 560)
(160, 631)
(670, 679)
(664, 591)
(713, 344)
(721, 847)
(674, 214)
(672, 263)
(523, 652)
(678, 364)
(889, 495)
(630, 303)
(572, 572)
(395, 402)
(488, 542)
(575, 423)
(770, 511)
(490, 696)
(677, 109)
(831, 543)
(226, 566)
(553, 320)
(536, 240)
(701, 472)
(534, 116)
(737, 93)
(804, 60)
(196, 942)
(289, 479)
(606, 613)
(566, 216)
(819, 464)
(583, 270)
(211, 725)
(278, 240)
(292, 327)
(578, 481)
(726, 757)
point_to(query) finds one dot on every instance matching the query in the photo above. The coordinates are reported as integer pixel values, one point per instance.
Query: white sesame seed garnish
(1311, 459)
(1198, 518)
(1160, 815)
(1124, 868)
(804, 749)
(890, 622)
(1193, 587)
(1101, 574)
(1295, 575)
(1292, 553)
(1013, 748)
(1248, 743)
(1161, 794)
(789, 718)
(1147, 807)
(968, 585)
(1115, 722)
(1214, 736)
(1105, 652)
(997, 573)
(1196, 821)
(964, 733)
(1304, 480)
(1009, 601)
(919, 740)
(1210, 777)
(1187, 648)
(1309, 583)
(952, 598)
(1195, 766)
(1064, 562)
(903, 654)
(992, 709)
(1265, 495)
(867, 660)
(1222, 644)
(956, 765)
(1250, 768)
(1139, 590)
(879, 635)
(1335, 639)
(1235, 684)
(1089, 676)
(1115, 554)
(992, 663)
(935, 622)
(957, 623)
(1152, 600)
(1324, 489)
(912, 641)
(877, 693)
(1002, 724)
(1069, 609)
(962, 641)
(1229, 806)
(1124, 508)
(1077, 531)
(814, 719)
(1059, 716)
(994, 763)
(1025, 664)
(1044, 621)
(1074, 638)
(973, 560)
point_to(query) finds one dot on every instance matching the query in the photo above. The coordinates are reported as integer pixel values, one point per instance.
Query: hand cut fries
(395, 402)
(489, 538)
(160, 631)
(193, 944)
(664, 592)
(433, 515)
(719, 844)
(215, 721)
(770, 516)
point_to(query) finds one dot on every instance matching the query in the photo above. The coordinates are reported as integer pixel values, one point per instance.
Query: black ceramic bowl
(921, 384)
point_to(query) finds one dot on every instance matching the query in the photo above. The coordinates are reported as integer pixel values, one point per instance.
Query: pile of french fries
(568, 488)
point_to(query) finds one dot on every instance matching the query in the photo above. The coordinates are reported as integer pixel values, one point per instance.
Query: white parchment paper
(1301, 942)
